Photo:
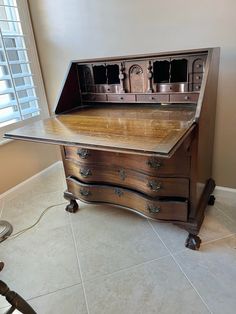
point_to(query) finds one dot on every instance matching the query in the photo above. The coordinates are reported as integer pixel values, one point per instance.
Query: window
(22, 96)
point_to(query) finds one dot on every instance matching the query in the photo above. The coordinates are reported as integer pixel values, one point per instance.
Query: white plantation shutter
(19, 95)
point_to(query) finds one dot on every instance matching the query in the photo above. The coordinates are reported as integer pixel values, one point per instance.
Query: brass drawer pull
(85, 172)
(85, 192)
(118, 192)
(83, 153)
(153, 163)
(153, 208)
(154, 185)
(122, 174)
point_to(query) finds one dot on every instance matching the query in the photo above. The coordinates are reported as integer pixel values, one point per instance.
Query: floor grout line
(218, 239)
(126, 268)
(181, 269)
(55, 291)
(79, 265)
(223, 213)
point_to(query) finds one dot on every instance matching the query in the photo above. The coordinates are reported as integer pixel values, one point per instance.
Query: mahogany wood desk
(138, 132)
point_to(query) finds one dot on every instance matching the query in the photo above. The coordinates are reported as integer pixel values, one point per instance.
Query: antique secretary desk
(138, 132)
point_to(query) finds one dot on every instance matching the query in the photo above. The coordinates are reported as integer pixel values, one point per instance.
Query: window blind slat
(15, 62)
(15, 115)
(9, 21)
(18, 75)
(30, 110)
(12, 103)
(18, 89)
(14, 49)
(13, 35)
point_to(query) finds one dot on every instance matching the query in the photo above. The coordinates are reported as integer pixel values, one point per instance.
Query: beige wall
(72, 29)
(21, 160)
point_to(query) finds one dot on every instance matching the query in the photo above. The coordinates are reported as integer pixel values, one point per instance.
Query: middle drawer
(149, 185)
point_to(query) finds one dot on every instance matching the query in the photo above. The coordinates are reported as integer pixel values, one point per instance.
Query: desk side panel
(70, 97)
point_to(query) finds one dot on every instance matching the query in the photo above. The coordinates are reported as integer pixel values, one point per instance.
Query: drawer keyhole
(118, 192)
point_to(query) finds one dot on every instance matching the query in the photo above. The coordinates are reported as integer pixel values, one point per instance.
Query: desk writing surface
(146, 128)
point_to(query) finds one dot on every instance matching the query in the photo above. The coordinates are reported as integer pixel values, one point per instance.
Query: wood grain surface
(138, 128)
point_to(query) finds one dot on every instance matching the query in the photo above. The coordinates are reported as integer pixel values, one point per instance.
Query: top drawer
(177, 165)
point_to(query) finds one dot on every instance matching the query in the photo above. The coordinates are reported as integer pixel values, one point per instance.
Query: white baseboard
(222, 191)
(16, 187)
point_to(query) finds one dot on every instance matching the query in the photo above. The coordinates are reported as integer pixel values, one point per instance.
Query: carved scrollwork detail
(136, 70)
(136, 77)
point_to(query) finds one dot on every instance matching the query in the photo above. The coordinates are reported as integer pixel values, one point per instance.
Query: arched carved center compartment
(136, 79)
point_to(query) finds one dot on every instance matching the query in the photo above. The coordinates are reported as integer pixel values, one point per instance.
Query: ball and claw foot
(211, 200)
(193, 242)
(72, 207)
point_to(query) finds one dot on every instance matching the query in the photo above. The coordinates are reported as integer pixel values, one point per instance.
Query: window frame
(27, 29)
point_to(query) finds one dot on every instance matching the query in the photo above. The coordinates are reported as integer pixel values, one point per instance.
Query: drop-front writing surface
(151, 129)
(137, 132)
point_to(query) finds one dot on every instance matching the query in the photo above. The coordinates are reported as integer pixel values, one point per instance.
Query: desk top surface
(145, 128)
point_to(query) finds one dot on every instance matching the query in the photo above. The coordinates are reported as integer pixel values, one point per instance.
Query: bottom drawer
(153, 208)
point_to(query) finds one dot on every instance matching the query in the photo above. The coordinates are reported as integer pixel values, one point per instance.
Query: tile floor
(105, 260)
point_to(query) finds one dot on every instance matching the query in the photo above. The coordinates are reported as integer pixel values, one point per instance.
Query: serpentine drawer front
(133, 179)
(154, 208)
(178, 165)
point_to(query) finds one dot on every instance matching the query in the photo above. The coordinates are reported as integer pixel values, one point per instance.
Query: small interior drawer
(121, 97)
(153, 98)
(196, 87)
(184, 97)
(196, 78)
(198, 66)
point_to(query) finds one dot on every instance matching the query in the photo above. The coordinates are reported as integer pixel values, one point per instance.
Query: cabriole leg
(73, 206)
